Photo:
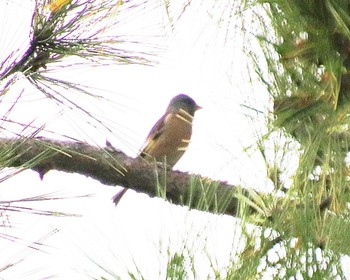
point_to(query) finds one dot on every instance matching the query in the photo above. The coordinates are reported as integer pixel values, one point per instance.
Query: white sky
(199, 59)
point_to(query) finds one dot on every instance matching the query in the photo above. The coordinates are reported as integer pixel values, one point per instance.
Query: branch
(113, 167)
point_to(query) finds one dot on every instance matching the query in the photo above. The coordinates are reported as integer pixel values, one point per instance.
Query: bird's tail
(119, 196)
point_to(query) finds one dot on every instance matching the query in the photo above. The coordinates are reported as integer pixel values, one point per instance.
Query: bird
(170, 136)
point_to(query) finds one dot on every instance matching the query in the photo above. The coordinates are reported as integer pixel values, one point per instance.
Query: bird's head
(184, 102)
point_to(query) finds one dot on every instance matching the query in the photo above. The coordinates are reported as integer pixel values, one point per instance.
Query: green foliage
(307, 57)
(71, 28)
(176, 268)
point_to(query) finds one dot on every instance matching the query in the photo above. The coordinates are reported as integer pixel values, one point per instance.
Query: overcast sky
(200, 55)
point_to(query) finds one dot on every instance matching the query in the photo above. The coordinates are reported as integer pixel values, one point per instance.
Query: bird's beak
(198, 107)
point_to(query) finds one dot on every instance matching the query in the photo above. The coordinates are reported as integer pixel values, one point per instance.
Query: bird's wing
(153, 135)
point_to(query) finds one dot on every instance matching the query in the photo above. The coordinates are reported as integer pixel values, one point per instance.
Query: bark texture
(112, 167)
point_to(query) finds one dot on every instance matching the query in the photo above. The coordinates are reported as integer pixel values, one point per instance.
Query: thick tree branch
(113, 167)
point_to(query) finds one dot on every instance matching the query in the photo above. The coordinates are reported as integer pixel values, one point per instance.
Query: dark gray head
(184, 102)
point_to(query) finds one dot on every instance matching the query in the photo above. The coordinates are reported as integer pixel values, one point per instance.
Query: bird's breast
(173, 141)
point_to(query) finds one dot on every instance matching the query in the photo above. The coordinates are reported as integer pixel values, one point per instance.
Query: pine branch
(66, 28)
(112, 167)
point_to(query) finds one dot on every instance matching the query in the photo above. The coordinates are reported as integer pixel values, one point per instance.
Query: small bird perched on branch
(169, 137)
